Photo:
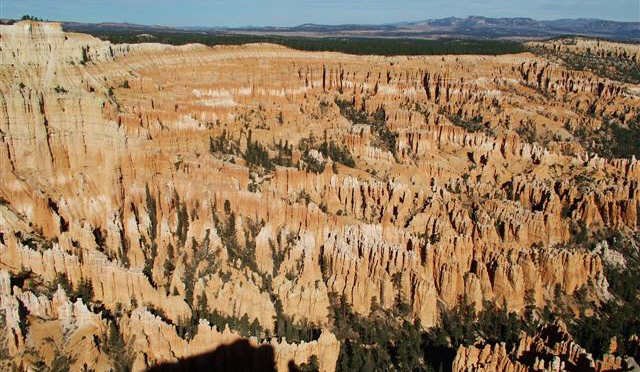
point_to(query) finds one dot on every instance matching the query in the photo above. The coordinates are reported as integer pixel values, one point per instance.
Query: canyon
(169, 200)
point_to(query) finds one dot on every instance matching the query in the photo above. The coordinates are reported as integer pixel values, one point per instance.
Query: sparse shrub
(472, 125)
(285, 153)
(312, 365)
(85, 55)
(84, 291)
(337, 153)
(182, 226)
(613, 139)
(117, 349)
(223, 144)
(383, 136)
(61, 362)
(28, 17)
(169, 266)
(312, 164)
(528, 132)
(5, 357)
(257, 155)
(619, 316)
(293, 331)
(62, 281)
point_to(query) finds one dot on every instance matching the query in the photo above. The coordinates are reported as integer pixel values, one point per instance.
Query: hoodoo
(323, 210)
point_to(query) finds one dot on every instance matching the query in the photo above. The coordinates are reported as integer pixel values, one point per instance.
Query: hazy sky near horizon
(295, 12)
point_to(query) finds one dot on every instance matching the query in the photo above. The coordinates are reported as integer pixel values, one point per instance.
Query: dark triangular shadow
(238, 356)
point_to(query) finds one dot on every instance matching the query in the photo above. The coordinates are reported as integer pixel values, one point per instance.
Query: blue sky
(294, 12)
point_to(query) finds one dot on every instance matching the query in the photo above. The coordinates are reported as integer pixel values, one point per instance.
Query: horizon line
(318, 24)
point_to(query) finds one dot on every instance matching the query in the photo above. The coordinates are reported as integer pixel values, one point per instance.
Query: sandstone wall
(107, 177)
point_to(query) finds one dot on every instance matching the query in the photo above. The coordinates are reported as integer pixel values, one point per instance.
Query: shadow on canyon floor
(238, 356)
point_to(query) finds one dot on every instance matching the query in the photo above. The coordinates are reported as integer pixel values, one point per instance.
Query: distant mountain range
(470, 27)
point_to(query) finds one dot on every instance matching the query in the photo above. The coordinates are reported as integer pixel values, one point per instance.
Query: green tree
(5, 358)
(117, 349)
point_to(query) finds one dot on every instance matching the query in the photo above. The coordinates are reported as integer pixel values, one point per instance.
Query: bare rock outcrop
(187, 180)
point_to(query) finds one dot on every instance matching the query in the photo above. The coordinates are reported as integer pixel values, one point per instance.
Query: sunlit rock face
(112, 174)
(552, 349)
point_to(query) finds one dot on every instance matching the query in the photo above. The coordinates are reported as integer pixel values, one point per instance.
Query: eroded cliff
(202, 193)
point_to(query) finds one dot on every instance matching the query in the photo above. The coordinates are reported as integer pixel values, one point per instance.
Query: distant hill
(452, 27)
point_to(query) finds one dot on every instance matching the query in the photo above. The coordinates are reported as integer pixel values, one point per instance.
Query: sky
(233, 13)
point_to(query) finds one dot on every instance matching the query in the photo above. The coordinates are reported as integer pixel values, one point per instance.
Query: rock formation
(551, 350)
(124, 168)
